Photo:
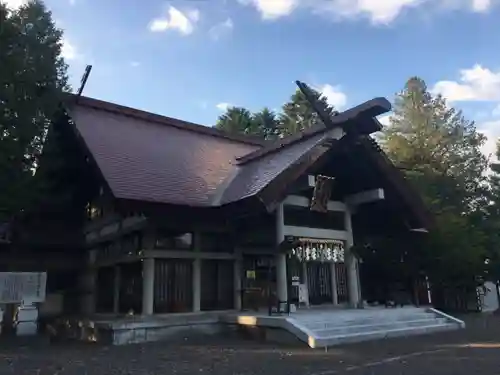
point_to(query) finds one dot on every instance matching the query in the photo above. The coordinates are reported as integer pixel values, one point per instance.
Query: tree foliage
(296, 115)
(491, 219)
(266, 123)
(427, 137)
(236, 120)
(439, 151)
(32, 80)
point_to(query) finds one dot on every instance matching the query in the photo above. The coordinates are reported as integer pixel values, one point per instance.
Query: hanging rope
(310, 249)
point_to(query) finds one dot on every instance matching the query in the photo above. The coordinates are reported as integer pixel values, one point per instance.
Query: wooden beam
(359, 119)
(311, 180)
(365, 197)
(296, 200)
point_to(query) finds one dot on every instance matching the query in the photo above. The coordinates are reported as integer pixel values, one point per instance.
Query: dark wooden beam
(83, 82)
(359, 119)
(280, 186)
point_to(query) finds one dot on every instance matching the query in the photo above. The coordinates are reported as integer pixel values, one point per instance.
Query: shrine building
(175, 217)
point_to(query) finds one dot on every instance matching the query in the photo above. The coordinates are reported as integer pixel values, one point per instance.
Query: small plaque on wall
(303, 294)
(250, 274)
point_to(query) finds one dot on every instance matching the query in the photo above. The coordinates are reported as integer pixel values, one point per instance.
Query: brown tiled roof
(151, 158)
(256, 174)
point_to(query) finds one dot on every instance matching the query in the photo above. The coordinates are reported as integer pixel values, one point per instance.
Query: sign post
(24, 289)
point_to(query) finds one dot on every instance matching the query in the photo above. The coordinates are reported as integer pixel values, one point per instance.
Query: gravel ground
(473, 350)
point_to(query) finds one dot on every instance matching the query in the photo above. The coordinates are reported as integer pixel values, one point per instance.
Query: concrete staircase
(328, 328)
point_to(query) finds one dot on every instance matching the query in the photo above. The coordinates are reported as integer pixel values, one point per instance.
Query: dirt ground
(473, 350)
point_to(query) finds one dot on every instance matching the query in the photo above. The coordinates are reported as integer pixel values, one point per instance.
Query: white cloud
(334, 95)
(223, 106)
(272, 9)
(474, 84)
(481, 5)
(385, 120)
(377, 11)
(496, 111)
(477, 84)
(13, 4)
(217, 31)
(491, 130)
(183, 22)
(194, 15)
(69, 51)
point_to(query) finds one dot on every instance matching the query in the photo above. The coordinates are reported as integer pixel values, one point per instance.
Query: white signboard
(16, 287)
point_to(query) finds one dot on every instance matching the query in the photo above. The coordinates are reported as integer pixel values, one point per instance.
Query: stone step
(381, 334)
(364, 312)
(332, 322)
(380, 326)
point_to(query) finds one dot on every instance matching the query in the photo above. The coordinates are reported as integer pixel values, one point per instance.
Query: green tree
(298, 114)
(439, 150)
(494, 179)
(428, 137)
(266, 123)
(33, 78)
(237, 120)
(492, 221)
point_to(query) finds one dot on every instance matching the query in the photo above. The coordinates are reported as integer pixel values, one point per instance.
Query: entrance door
(319, 281)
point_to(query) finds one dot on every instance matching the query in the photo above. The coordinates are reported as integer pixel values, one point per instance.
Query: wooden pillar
(237, 274)
(88, 281)
(197, 283)
(333, 272)
(116, 290)
(305, 280)
(196, 272)
(148, 284)
(351, 263)
(281, 276)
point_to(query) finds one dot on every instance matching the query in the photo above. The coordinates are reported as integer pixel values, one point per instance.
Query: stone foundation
(136, 330)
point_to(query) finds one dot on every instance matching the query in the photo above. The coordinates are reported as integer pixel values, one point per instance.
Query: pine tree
(266, 124)
(32, 82)
(236, 120)
(298, 113)
(492, 221)
(427, 137)
(439, 151)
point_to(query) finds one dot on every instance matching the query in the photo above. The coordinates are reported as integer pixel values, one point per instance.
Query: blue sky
(189, 58)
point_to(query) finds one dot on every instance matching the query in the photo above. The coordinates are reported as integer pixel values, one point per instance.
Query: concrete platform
(138, 329)
(328, 327)
(317, 327)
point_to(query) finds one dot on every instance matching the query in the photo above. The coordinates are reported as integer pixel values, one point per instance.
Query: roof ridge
(102, 105)
(369, 109)
(281, 143)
